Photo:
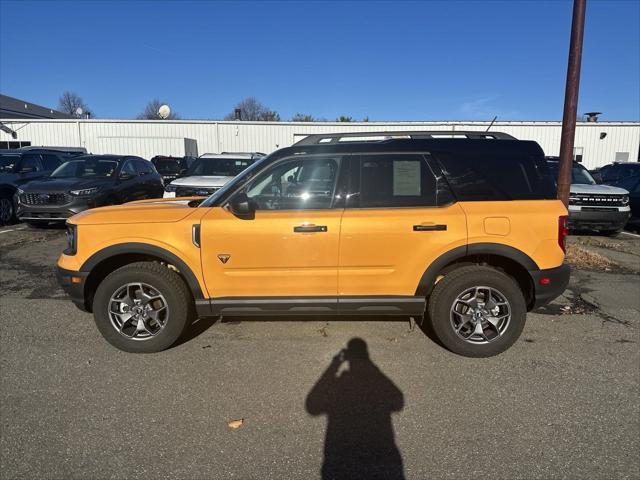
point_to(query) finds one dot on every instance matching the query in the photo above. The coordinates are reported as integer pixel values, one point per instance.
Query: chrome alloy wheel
(480, 315)
(138, 311)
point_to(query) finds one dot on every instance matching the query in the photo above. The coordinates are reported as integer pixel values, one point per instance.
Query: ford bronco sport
(465, 231)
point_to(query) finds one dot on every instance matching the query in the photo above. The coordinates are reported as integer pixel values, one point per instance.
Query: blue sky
(430, 60)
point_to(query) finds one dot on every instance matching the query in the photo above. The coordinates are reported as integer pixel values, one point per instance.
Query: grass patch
(580, 257)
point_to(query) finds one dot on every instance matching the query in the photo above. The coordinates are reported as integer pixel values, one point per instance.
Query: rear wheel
(142, 307)
(477, 311)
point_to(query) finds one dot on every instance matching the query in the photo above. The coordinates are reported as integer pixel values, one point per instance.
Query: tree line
(249, 109)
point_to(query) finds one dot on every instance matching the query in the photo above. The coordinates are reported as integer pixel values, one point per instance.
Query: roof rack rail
(333, 138)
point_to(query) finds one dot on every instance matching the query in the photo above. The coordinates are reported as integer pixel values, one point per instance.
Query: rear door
(400, 216)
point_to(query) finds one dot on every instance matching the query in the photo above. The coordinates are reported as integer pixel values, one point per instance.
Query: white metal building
(596, 144)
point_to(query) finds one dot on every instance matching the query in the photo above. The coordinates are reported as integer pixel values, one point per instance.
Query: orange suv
(464, 231)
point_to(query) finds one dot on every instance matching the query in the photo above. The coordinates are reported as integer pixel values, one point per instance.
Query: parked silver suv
(592, 206)
(210, 172)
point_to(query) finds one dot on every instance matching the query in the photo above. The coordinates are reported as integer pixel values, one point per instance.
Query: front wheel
(142, 307)
(7, 210)
(477, 311)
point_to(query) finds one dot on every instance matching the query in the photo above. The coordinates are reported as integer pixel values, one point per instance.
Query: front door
(290, 247)
(399, 218)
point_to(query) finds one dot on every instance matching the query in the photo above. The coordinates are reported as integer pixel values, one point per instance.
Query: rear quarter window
(497, 176)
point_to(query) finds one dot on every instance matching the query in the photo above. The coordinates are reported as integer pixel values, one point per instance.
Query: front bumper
(73, 283)
(599, 218)
(555, 283)
(54, 213)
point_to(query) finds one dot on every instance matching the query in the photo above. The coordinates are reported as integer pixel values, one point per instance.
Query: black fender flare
(145, 249)
(498, 249)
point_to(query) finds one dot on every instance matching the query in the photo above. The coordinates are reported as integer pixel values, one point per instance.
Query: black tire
(168, 283)
(454, 284)
(7, 209)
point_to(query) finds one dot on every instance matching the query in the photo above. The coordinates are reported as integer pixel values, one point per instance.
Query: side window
(303, 183)
(128, 169)
(396, 180)
(50, 161)
(30, 163)
(143, 167)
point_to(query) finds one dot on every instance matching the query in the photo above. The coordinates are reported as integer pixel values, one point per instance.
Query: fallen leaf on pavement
(236, 423)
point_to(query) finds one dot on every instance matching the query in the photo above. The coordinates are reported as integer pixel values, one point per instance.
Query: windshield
(579, 174)
(90, 168)
(222, 167)
(246, 175)
(167, 166)
(8, 163)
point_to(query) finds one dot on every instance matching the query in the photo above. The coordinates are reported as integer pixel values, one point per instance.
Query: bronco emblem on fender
(224, 258)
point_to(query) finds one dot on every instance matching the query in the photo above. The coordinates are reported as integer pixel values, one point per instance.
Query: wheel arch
(102, 263)
(509, 259)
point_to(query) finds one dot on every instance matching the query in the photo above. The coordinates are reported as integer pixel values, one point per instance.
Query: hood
(166, 210)
(201, 181)
(61, 184)
(597, 189)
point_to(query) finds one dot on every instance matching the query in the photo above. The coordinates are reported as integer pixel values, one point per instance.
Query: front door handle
(429, 228)
(309, 228)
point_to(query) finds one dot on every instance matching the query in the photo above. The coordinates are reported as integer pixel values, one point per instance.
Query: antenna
(491, 124)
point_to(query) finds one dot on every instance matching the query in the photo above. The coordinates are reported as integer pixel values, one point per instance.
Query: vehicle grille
(195, 191)
(45, 198)
(596, 200)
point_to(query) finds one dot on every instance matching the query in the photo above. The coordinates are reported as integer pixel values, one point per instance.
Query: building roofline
(372, 125)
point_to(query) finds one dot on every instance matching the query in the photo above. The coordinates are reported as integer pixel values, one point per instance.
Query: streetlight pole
(571, 101)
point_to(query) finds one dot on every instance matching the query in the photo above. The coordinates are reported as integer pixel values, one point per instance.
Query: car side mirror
(27, 170)
(242, 206)
(125, 176)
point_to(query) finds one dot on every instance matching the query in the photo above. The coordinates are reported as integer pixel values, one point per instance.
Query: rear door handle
(429, 228)
(309, 228)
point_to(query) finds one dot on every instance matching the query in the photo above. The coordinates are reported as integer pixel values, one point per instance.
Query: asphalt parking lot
(563, 402)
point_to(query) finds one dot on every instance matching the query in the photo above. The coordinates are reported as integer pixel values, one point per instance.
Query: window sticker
(406, 178)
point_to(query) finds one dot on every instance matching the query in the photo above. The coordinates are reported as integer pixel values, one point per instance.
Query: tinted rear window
(497, 175)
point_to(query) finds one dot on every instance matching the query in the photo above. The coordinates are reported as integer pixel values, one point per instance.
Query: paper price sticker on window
(406, 178)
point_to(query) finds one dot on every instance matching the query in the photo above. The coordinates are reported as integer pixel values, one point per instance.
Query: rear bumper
(73, 284)
(545, 292)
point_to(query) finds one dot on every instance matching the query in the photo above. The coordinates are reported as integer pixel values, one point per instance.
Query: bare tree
(69, 102)
(150, 112)
(252, 110)
(302, 117)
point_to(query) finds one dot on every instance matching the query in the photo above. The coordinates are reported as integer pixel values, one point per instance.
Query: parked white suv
(210, 172)
(592, 206)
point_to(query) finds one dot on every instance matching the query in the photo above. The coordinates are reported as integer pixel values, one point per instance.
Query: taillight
(563, 231)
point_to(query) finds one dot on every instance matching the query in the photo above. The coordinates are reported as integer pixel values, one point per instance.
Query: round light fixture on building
(164, 111)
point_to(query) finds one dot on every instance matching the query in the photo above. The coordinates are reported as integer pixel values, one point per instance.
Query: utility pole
(571, 101)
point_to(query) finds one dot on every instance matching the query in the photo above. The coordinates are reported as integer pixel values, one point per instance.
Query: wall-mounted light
(603, 135)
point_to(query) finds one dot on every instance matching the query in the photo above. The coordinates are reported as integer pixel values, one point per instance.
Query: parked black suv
(20, 166)
(171, 167)
(87, 182)
(614, 172)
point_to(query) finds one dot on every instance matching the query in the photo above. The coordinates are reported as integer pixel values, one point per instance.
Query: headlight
(625, 200)
(573, 199)
(84, 191)
(20, 191)
(170, 188)
(72, 239)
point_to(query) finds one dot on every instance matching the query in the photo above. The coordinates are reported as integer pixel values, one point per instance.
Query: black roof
(408, 145)
(15, 108)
